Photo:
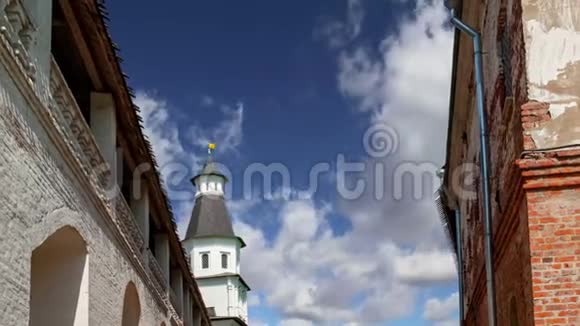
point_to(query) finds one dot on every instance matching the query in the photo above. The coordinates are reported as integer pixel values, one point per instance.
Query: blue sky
(296, 83)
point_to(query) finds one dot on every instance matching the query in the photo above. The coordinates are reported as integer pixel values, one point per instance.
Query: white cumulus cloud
(161, 130)
(227, 133)
(303, 268)
(295, 322)
(395, 248)
(374, 271)
(180, 155)
(338, 33)
(426, 267)
(441, 310)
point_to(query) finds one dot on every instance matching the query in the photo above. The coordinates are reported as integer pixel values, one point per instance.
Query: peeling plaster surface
(552, 37)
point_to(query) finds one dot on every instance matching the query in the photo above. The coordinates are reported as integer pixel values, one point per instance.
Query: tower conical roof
(210, 168)
(210, 217)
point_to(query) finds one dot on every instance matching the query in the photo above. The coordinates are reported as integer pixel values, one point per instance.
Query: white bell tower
(215, 250)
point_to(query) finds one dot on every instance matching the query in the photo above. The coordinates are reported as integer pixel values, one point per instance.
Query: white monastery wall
(40, 194)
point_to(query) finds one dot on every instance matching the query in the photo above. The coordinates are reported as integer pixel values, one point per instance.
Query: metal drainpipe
(485, 168)
(459, 263)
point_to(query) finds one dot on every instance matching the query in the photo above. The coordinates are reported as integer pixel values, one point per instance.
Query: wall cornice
(555, 169)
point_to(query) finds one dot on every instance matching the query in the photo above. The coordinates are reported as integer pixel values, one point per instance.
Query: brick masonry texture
(553, 192)
(554, 218)
(535, 195)
(38, 195)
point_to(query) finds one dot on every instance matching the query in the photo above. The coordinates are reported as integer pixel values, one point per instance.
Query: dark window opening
(126, 187)
(224, 260)
(154, 230)
(205, 261)
(69, 61)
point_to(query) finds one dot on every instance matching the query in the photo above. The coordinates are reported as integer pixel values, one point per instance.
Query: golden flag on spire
(210, 147)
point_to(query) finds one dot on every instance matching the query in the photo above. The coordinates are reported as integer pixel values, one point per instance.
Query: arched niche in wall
(59, 281)
(131, 306)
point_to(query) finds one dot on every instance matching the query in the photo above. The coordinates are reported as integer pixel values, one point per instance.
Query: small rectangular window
(224, 260)
(205, 260)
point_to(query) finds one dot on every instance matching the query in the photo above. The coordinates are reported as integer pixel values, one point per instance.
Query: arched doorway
(131, 306)
(59, 280)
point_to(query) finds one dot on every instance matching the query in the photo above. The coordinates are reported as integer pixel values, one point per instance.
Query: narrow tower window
(224, 260)
(205, 260)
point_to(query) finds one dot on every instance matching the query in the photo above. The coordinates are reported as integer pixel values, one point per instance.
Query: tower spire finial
(210, 148)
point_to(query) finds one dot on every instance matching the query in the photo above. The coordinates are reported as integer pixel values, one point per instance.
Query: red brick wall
(553, 194)
(513, 282)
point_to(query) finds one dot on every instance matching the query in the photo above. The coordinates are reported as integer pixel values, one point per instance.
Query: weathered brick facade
(533, 116)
